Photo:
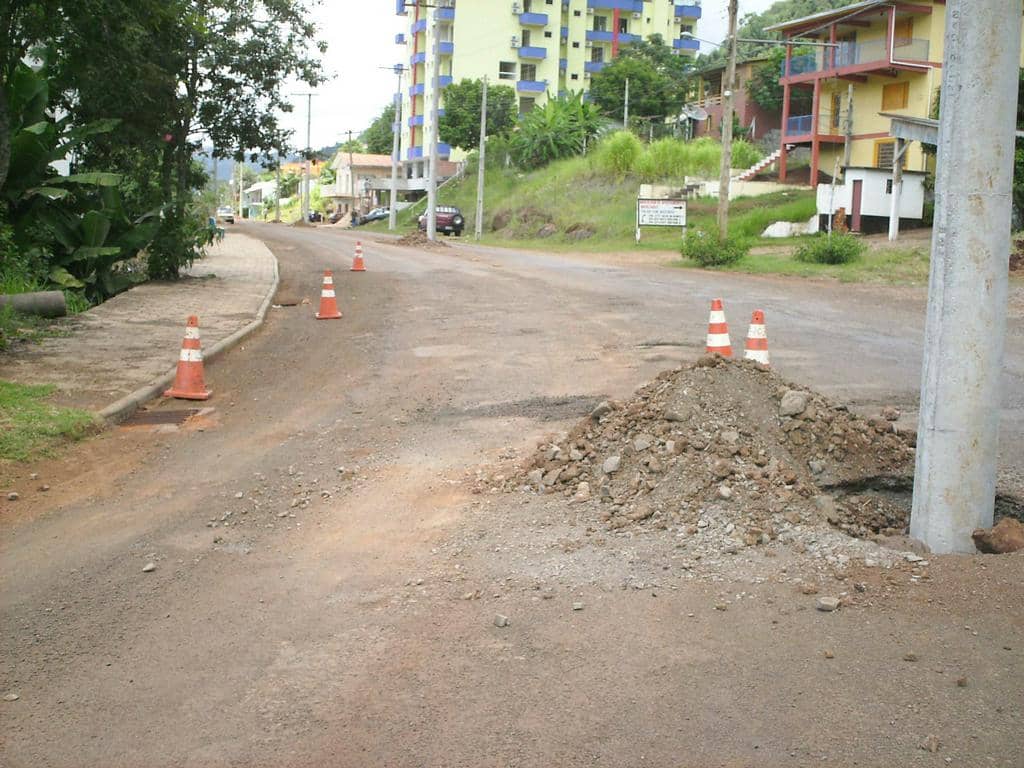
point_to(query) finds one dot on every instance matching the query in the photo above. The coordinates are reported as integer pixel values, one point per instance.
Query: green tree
(659, 81)
(752, 26)
(460, 124)
(352, 145)
(379, 138)
(764, 87)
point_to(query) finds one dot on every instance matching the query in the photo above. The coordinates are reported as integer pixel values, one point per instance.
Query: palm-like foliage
(560, 128)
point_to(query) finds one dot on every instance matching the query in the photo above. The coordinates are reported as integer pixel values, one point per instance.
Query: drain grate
(161, 416)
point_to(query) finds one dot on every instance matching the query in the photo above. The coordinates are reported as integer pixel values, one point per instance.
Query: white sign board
(652, 212)
(661, 213)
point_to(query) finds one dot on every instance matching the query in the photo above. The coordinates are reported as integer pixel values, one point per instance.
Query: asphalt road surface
(313, 538)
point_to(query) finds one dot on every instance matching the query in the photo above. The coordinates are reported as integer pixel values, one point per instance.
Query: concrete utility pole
(277, 188)
(396, 149)
(435, 87)
(625, 107)
(478, 226)
(304, 197)
(957, 444)
(727, 86)
(216, 182)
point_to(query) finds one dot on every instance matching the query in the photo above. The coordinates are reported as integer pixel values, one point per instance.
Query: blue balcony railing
(565, 33)
(634, 6)
(414, 153)
(446, 47)
(419, 26)
(686, 44)
(532, 52)
(533, 19)
(856, 54)
(626, 38)
(800, 125)
(418, 58)
(688, 12)
(594, 66)
(599, 35)
(531, 86)
(563, 64)
(446, 14)
(416, 90)
(399, 39)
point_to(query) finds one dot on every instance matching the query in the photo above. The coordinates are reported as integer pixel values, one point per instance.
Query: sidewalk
(109, 356)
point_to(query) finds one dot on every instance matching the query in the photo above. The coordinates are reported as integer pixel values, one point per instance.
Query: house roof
(826, 16)
(719, 67)
(361, 160)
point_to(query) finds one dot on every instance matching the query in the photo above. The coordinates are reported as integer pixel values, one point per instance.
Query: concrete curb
(123, 408)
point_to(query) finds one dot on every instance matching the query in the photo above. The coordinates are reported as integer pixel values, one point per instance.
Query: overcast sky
(361, 39)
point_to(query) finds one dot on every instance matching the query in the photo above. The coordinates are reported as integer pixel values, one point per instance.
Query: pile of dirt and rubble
(731, 445)
(1017, 256)
(418, 239)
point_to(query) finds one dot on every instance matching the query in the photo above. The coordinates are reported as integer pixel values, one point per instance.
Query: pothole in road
(881, 505)
(539, 408)
(160, 417)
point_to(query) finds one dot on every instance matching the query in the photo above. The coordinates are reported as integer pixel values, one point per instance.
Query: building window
(600, 23)
(575, 45)
(506, 70)
(686, 27)
(547, 34)
(574, 77)
(524, 35)
(527, 6)
(526, 103)
(623, 26)
(895, 96)
(837, 108)
(576, 13)
(597, 55)
(885, 150)
(528, 72)
(888, 186)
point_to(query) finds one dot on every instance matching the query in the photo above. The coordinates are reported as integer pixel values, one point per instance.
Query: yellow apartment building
(539, 47)
(890, 53)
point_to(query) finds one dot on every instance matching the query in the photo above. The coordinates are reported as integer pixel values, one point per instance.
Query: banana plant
(76, 222)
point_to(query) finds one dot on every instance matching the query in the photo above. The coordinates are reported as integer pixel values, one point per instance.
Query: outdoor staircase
(759, 166)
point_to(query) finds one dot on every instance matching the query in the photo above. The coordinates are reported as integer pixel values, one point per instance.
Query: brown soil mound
(730, 441)
(1017, 256)
(418, 239)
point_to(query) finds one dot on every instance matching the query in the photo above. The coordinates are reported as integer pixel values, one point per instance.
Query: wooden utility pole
(478, 226)
(727, 94)
(625, 107)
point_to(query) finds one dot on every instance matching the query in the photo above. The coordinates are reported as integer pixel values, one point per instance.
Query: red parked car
(449, 220)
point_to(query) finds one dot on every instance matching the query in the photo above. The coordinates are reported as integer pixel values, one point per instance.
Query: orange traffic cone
(757, 339)
(188, 381)
(718, 331)
(357, 260)
(328, 303)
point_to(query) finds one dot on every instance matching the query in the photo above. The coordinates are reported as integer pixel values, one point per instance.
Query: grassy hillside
(571, 204)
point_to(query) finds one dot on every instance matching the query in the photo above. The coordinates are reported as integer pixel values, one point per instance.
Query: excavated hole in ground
(882, 505)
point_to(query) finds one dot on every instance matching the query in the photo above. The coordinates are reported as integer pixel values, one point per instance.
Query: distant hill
(752, 25)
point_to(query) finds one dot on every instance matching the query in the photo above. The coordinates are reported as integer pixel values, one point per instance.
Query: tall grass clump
(664, 159)
(744, 154)
(617, 155)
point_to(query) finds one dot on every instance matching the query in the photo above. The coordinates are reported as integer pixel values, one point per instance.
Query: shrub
(837, 249)
(618, 154)
(664, 159)
(744, 154)
(709, 250)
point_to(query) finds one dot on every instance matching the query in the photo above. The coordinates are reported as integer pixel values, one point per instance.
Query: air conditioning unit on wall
(515, 42)
(637, 16)
(517, 8)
